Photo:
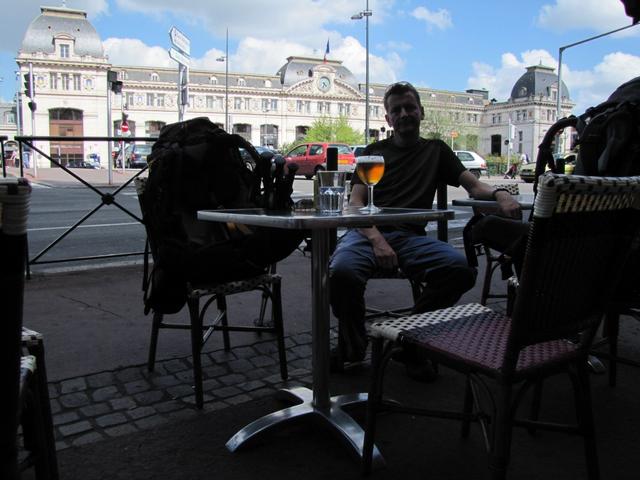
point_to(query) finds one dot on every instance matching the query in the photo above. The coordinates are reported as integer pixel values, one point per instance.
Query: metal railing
(105, 198)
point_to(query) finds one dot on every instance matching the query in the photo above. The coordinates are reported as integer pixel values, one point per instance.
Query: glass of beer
(370, 169)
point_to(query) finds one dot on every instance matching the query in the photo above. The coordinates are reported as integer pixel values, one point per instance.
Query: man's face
(404, 113)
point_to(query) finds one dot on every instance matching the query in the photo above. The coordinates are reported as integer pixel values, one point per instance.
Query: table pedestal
(317, 402)
(333, 417)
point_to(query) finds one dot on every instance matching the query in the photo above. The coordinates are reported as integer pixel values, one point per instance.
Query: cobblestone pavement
(107, 404)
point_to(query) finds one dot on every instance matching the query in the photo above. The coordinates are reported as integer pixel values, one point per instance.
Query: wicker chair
(269, 284)
(23, 377)
(494, 259)
(582, 232)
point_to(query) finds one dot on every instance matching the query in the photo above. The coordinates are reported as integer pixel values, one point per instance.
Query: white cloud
(596, 15)
(131, 51)
(586, 87)
(440, 19)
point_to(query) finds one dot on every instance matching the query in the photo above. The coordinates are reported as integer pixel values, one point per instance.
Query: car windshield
(342, 149)
(144, 149)
(464, 156)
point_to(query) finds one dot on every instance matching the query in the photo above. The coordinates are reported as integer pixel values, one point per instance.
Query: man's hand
(385, 255)
(508, 205)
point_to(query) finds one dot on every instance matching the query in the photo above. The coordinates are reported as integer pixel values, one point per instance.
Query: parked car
(312, 157)
(528, 171)
(472, 162)
(358, 149)
(248, 159)
(137, 157)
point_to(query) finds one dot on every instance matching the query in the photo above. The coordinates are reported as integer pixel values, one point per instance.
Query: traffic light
(28, 86)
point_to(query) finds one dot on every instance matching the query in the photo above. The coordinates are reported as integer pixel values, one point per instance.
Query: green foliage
(325, 129)
(438, 124)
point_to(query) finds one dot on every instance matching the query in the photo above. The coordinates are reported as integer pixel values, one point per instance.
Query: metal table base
(333, 417)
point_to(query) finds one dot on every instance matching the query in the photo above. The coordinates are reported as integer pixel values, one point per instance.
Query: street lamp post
(366, 13)
(560, 51)
(225, 59)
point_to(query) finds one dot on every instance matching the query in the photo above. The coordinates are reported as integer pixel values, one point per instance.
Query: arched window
(267, 83)
(213, 80)
(242, 82)
(154, 77)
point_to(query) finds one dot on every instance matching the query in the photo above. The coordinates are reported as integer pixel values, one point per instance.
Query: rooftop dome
(537, 80)
(57, 21)
(297, 69)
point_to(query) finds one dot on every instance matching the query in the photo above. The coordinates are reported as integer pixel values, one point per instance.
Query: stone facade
(70, 77)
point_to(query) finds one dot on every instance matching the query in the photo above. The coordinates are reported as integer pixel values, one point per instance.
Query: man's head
(404, 112)
(400, 88)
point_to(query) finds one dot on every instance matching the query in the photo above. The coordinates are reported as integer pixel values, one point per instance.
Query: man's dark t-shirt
(412, 174)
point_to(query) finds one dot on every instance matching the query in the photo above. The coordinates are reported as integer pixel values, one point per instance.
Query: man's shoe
(417, 366)
(337, 360)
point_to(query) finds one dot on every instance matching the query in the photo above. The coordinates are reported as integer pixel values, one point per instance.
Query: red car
(312, 157)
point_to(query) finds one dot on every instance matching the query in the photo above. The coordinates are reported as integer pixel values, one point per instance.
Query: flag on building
(326, 52)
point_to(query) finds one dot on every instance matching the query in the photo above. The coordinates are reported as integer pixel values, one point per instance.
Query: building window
(53, 81)
(160, 100)
(77, 84)
(344, 109)
(150, 100)
(269, 104)
(242, 82)
(267, 83)
(247, 103)
(129, 99)
(154, 77)
(10, 118)
(213, 80)
(324, 107)
(374, 111)
(209, 102)
(64, 51)
(237, 103)
(66, 82)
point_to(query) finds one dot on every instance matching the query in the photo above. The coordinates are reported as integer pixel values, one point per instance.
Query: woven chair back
(583, 229)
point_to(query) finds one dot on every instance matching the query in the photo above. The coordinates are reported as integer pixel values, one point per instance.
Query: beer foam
(370, 159)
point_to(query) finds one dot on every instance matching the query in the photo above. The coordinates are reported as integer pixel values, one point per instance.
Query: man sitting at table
(413, 168)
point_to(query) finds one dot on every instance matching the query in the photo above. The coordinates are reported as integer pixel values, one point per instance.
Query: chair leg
(196, 347)
(467, 407)
(488, 273)
(535, 404)
(221, 301)
(584, 412)
(278, 323)
(155, 329)
(42, 392)
(501, 435)
(373, 401)
(612, 323)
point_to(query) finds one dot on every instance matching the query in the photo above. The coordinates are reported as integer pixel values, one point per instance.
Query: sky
(447, 44)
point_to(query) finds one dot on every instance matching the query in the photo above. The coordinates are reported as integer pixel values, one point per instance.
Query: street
(112, 231)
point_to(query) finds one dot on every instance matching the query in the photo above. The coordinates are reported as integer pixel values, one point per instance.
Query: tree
(439, 124)
(325, 129)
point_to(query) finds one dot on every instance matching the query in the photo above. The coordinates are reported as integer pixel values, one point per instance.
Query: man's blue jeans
(444, 269)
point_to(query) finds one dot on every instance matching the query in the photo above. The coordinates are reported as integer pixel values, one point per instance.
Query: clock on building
(324, 84)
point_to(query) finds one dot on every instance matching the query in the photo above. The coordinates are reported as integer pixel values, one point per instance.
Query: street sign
(454, 134)
(180, 41)
(179, 57)
(124, 127)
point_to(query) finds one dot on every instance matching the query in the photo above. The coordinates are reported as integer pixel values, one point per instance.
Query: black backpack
(195, 165)
(608, 136)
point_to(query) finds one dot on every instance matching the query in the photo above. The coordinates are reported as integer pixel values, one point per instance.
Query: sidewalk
(114, 419)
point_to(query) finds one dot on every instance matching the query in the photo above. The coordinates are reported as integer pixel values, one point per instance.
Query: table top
(525, 201)
(303, 219)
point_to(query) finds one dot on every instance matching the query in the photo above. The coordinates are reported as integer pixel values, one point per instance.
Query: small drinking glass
(370, 169)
